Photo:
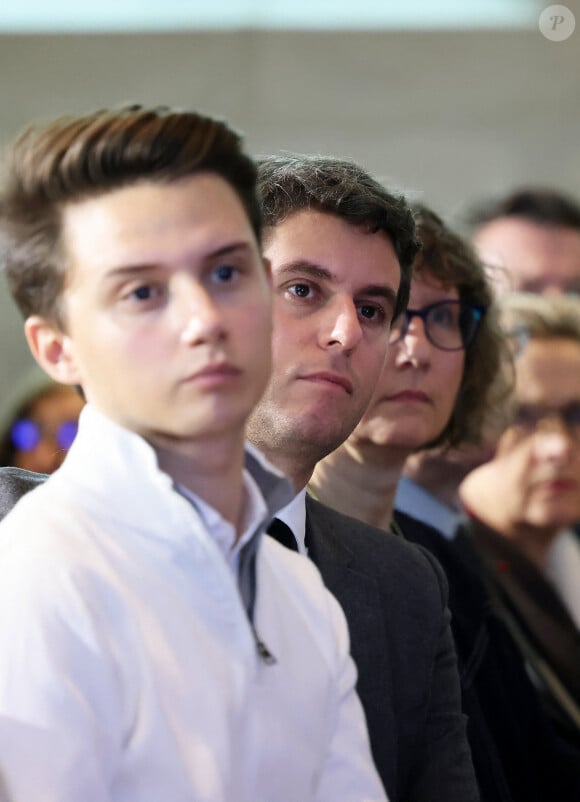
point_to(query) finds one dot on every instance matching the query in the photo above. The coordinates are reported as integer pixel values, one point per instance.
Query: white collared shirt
(129, 668)
(294, 516)
(224, 532)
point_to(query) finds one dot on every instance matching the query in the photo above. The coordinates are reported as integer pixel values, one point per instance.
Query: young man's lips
(218, 371)
(330, 378)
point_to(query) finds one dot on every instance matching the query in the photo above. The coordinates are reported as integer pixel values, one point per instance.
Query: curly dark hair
(290, 183)
(485, 383)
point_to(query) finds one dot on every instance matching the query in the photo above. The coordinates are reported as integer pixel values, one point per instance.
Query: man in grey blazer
(341, 249)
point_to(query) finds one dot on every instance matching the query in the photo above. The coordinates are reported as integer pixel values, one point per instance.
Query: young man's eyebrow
(316, 271)
(380, 291)
(122, 271)
(226, 250)
(309, 268)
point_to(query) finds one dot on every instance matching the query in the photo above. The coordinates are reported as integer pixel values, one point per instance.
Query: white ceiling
(40, 16)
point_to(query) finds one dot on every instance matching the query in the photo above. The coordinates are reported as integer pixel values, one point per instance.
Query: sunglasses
(448, 325)
(26, 434)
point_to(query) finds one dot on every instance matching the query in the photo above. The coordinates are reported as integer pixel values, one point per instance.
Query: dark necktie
(283, 534)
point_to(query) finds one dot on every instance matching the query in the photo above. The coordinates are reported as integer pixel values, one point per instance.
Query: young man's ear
(52, 350)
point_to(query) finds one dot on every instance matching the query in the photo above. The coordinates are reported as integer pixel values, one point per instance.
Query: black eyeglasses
(26, 434)
(449, 325)
(528, 417)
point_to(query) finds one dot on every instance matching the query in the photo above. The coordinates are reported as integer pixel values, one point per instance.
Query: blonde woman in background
(524, 502)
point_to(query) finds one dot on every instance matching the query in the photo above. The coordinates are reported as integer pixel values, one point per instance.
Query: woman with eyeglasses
(42, 428)
(441, 381)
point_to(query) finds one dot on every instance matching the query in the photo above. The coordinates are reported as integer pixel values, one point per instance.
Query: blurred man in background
(534, 236)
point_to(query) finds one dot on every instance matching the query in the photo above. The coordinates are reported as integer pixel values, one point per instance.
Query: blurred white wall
(447, 116)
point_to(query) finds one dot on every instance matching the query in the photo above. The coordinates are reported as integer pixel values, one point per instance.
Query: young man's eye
(145, 296)
(224, 273)
(300, 290)
(373, 313)
(144, 293)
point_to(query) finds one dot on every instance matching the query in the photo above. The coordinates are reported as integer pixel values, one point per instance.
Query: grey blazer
(394, 595)
(14, 483)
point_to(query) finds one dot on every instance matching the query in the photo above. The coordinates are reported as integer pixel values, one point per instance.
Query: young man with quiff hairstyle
(154, 645)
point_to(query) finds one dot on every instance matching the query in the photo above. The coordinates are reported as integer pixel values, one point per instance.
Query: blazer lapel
(357, 591)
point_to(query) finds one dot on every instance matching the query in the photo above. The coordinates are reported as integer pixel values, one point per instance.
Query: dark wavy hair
(290, 183)
(449, 259)
(73, 158)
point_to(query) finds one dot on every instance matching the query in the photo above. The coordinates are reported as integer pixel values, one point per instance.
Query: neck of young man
(360, 480)
(211, 468)
(298, 469)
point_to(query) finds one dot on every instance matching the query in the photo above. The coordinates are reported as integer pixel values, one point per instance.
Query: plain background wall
(446, 117)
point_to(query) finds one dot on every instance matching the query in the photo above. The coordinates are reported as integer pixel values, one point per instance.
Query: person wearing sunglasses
(42, 429)
(523, 503)
(439, 385)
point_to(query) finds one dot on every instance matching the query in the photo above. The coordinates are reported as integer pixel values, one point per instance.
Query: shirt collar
(223, 532)
(294, 516)
(275, 487)
(415, 501)
(105, 455)
(108, 460)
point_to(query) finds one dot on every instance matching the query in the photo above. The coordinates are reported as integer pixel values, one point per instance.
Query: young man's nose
(200, 317)
(342, 326)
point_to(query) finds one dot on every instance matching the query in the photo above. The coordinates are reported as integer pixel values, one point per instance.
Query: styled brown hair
(73, 158)
(290, 183)
(452, 261)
